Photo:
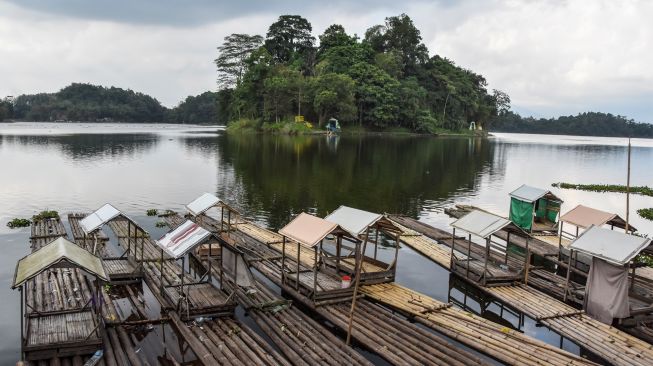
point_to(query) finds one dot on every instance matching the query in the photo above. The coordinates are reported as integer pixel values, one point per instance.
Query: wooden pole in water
(356, 284)
(628, 190)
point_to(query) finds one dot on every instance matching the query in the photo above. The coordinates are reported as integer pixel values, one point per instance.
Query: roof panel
(182, 239)
(202, 203)
(481, 223)
(353, 220)
(55, 252)
(584, 217)
(612, 246)
(307, 229)
(98, 218)
(528, 193)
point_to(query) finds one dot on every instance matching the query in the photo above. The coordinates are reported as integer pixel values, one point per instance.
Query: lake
(79, 167)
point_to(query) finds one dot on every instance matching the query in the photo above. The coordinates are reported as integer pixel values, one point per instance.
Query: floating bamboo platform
(60, 327)
(607, 342)
(502, 343)
(392, 337)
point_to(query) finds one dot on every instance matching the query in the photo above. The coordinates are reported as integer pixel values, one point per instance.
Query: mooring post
(571, 252)
(487, 257)
(297, 273)
(376, 239)
(283, 260)
(453, 244)
(527, 262)
(161, 285)
(469, 253)
(315, 272)
(22, 321)
(356, 284)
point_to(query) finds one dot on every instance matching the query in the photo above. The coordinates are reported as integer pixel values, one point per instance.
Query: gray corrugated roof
(182, 239)
(59, 250)
(353, 220)
(528, 193)
(612, 246)
(98, 218)
(481, 223)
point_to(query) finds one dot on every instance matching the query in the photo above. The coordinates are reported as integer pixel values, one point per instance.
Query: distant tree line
(92, 103)
(583, 124)
(387, 79)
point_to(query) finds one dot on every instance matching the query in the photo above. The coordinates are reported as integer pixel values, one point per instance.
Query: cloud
(551, 57)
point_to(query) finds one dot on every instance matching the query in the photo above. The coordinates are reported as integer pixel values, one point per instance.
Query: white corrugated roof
(353, 220)
(182, 239)
(481, 223)
(528, 193)
(56, 252)
(613, 246)
(202, 203)
(98, 218)
(307, 229)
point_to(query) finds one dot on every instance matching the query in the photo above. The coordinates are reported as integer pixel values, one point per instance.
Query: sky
(552, 57)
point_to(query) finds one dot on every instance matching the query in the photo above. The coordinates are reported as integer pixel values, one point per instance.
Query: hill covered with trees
(386, 79)
(583, 124)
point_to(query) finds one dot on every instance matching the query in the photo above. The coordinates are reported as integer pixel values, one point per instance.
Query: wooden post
(210, 261)
(394, 266)
(22, 320)
(299, 246)
(376, 240)
(564, 298)
(161, 272)
(338, 251)
(229, 222)
(453, 244)
(183, 270)
(222, 268)
(507, 245)
(129, 238)
(283, 260)
(359, 264)
(487, 258)
(527, 262)
(628, 191)
(222, 219)
(469, 253)
(560, 238)
(315, 273)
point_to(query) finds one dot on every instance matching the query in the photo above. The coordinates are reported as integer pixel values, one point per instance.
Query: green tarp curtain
(521, 213)
(547, 209)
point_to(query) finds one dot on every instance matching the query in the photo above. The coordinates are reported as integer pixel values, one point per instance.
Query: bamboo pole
(358, 275)
(628, 190)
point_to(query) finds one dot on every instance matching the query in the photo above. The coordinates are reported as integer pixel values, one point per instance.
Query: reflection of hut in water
(365, 225)
(534, 210)
(313, 275)
(200, 297)
(608, 292)
(52, 332)
(482, 266)
(127, 267)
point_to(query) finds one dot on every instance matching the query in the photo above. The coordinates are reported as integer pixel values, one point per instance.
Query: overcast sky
(552, 57)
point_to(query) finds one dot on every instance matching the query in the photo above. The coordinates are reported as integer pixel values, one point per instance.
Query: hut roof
(98, 218)
(204, 202)
(609, 245)
(584, 217)
(58, 253)
(483, 223)
(182, 239)
(309, 230)
(354, 220)
(531, 194)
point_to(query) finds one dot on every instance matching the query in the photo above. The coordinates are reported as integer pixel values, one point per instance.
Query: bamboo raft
(392, 337)
(607, 342)
(502, 343)
(58, 329)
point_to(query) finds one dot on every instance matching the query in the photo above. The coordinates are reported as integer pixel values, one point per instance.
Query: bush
(44, 215)
(243, 125)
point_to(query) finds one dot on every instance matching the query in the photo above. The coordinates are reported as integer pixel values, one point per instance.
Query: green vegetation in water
(160, 224)
(18, 222)
(646, 259)
(646, 213)
(44, 215)
(643, 190)
(152, 212)
(167, 213)
(385, 80)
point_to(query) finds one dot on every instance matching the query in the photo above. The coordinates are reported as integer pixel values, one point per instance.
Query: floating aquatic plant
(44, 215)
(152, 212)
(646, 213)
(18, 222)
(643, 190)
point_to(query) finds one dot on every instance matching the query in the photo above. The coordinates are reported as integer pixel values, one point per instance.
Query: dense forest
(583, 124)
(93, 103)
(387, 79)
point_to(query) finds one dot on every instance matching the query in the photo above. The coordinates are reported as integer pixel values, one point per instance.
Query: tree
(334, 96)
(376, 95)
(502, 101)
(334, 36)
(289, 37)
(232, 57)
(6, 109)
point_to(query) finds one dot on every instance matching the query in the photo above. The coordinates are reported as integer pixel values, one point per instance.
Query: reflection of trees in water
(90, 146)
(283, 175)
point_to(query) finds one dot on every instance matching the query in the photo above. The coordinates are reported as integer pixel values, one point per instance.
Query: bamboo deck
(392, 337)
(609, 343)
(506, 345)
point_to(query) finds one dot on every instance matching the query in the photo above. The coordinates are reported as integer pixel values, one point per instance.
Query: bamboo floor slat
(506, 345)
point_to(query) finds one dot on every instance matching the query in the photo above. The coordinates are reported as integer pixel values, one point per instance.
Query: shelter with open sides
(364, 225)
(607, 292)
(535, 210)
(199, 207)
(582, 217)
(200, 297)
(482, 268)
(127, 267)
(59, 333)
(314, 278)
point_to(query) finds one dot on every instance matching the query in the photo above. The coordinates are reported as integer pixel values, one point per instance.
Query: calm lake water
(79, 167)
